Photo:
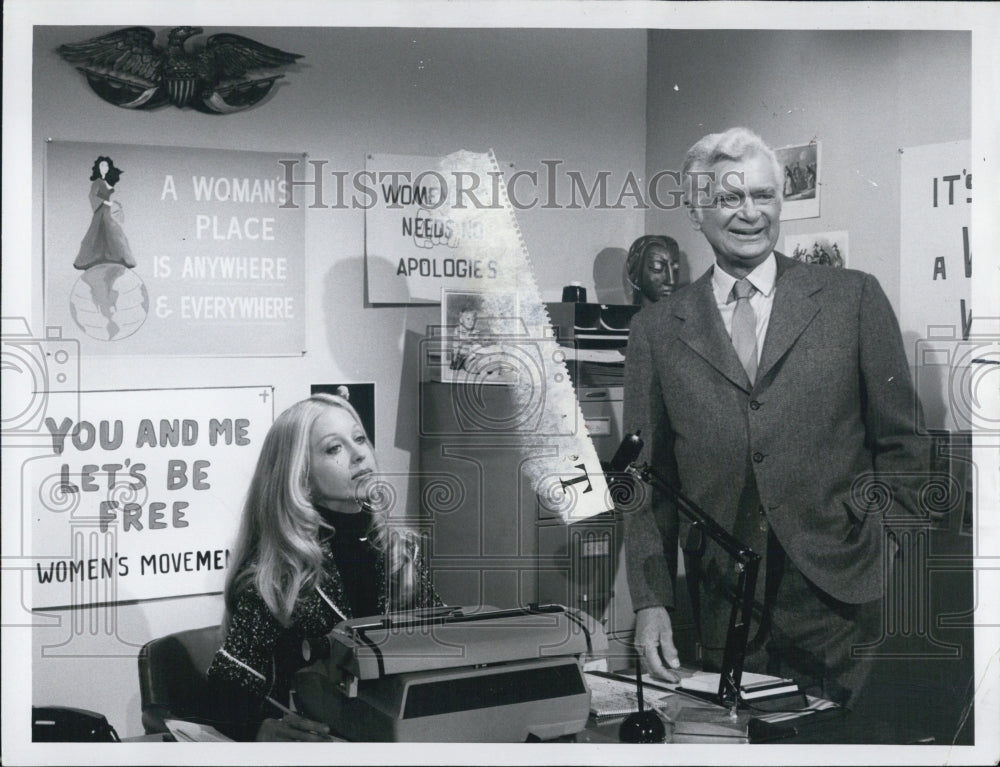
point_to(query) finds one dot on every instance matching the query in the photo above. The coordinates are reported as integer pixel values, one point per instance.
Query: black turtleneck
(356, 559)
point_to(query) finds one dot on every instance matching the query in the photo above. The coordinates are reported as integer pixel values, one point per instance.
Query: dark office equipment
(172, 677)
(591, 326)
(488, 676)
(58, 724)
(575, 292)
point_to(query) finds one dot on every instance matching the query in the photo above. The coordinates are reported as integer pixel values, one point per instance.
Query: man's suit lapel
(704, 332)
(794, 308)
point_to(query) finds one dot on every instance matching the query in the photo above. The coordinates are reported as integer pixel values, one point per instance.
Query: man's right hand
(654, 636)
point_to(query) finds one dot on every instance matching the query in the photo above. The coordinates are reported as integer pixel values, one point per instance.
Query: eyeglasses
(736, 199)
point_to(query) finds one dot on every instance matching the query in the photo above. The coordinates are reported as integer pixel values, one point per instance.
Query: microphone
(625, 493)
(628, 451)
(642, 726)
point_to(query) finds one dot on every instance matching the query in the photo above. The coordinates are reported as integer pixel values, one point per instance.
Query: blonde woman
(310, 553)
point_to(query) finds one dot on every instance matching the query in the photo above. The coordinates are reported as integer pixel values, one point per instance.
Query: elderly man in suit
(776, 395)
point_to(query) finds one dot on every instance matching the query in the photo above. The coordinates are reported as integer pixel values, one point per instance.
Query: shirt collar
(762, 277)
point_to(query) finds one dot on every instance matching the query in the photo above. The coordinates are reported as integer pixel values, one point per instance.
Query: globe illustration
(109, 302)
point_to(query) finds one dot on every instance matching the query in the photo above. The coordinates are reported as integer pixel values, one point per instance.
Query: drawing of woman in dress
(105, 241)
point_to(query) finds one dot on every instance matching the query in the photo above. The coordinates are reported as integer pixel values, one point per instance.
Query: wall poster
(139, 495)
(935, 280)
(171, 250)
(411, 242)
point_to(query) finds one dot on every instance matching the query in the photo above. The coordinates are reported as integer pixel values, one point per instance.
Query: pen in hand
(288, 712)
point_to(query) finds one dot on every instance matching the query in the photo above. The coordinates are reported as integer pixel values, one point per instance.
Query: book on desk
(757, 691)
(694, 719)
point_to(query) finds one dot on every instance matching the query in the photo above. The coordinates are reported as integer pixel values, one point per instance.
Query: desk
(842, 728)
(826, 726)
(152, 737)
(690, 718)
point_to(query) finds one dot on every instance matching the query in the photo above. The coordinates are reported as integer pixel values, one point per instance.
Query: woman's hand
(294, 727)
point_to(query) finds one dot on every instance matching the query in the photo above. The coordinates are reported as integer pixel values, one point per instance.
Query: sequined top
(259, 655)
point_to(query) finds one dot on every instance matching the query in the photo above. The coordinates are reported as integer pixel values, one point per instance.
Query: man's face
(737, 208)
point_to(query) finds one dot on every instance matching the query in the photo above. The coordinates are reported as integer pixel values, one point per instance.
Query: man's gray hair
(734, 144)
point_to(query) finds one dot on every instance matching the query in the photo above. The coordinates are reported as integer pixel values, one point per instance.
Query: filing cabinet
(583, 565)
(492, 543)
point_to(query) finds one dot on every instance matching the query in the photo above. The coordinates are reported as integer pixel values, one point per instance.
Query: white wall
(577, 96)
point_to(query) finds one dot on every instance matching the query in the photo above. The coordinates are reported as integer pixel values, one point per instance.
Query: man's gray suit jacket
(829, 428)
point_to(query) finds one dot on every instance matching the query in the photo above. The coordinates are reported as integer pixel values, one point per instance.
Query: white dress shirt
(762, 278)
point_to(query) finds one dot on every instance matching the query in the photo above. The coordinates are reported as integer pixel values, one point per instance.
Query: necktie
(745, 327)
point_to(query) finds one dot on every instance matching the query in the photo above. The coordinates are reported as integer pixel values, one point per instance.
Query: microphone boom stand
(747, 564)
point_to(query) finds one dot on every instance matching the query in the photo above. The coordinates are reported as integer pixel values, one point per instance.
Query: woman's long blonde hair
(277, 550)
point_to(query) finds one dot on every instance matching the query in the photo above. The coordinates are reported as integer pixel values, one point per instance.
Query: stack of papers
(192, 732)
(612, 696)
(751, 685)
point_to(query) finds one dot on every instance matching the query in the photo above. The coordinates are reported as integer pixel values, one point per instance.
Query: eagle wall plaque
(129, 69)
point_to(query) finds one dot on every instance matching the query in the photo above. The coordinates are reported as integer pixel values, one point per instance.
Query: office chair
(172, 677)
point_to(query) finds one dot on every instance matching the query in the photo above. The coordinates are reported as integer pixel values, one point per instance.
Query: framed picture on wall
(800, 166)
(827, 248)
(477, 328)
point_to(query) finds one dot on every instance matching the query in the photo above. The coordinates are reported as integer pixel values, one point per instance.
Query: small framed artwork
(827, 248)
(477, 326)
(800, 166)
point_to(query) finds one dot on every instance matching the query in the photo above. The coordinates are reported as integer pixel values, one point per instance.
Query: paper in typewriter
(559, 460)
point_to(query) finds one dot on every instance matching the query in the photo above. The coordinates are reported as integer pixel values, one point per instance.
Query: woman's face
(102, 166)
(340, 457)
